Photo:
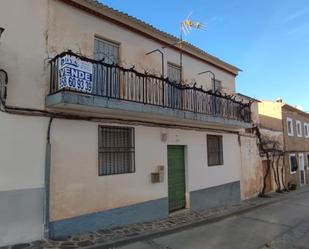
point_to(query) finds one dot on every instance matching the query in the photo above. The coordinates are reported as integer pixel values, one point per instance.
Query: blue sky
(267, 39)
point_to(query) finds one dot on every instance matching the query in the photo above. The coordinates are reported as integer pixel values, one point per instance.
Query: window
(116, 150)
(306, 130)
(214, 150)
(290, 126)
(308, 160)
(218, 85)
(103, 49)
(173, 72)
(109, 53)
(293, 163)
(298, 128)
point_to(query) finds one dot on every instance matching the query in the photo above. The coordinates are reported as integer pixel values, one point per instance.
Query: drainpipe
(47, 180)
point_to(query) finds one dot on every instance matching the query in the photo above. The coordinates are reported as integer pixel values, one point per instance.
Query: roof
(292, 108)
(247, 97)
(97, 8)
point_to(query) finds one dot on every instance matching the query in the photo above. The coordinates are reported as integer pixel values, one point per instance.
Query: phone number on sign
(76, 83)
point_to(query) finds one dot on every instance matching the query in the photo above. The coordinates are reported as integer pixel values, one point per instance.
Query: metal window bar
(214, 150)
(113, 81)
(116, 150)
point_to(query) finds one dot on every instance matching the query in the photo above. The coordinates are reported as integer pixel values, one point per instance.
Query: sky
(267, 39)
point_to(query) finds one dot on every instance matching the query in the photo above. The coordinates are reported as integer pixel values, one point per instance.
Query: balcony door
(106, 79)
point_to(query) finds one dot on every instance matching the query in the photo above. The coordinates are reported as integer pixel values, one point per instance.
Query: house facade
(271, 128)
(97, 133)
(296, 145)
(287, 126)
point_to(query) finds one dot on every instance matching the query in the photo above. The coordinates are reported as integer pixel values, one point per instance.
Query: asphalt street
(282, 225)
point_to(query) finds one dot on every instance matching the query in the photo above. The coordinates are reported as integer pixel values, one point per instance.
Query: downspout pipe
(47, 180)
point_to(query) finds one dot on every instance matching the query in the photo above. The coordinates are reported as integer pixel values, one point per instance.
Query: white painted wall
(77, 189)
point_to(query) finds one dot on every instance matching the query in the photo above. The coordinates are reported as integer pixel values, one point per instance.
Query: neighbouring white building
(91, 135)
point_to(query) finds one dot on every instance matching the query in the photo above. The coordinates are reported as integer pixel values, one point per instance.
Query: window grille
(173, 73)
(218, 85)
(116, 150)
(103, 49)
(214, 150)
(103, 77)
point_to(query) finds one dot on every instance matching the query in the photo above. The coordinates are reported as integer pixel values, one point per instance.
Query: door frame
(301, 160)
(186, 195)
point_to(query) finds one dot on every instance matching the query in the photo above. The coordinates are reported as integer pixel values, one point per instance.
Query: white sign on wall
(75, 74)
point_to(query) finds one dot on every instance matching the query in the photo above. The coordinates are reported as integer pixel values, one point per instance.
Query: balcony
(81, 84)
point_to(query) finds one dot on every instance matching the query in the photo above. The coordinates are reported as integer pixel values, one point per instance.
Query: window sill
(214, 165)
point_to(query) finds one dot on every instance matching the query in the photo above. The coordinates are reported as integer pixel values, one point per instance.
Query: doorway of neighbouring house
(268, 178)
(176, 177)
(302, 169)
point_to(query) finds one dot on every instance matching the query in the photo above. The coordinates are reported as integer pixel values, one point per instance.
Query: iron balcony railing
(113, 81)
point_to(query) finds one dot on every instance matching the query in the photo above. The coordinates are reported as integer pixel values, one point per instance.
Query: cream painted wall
(22, 148)
(22, 55)
(251, 167)
(70, 28)
(23, 138)
(270, 109)
(77, 189)
(23, 51)
(39, 29)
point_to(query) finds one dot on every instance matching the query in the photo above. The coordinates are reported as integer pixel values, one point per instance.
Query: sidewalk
(110, 238)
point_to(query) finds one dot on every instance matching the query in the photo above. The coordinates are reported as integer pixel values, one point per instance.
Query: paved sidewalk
(109, 238)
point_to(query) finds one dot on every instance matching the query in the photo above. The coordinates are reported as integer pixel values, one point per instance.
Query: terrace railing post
(144, 90)
(51, 78)
(163, 91)
(146, 100)
(107, 82)
(195, 101)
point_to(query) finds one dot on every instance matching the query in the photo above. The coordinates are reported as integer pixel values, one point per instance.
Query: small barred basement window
(116, 150)
(214, 150)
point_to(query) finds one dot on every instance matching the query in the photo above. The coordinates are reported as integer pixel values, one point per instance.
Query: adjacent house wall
(270, 116)
(251, 167)
(267, 115)
(294, 144)
(23, 139)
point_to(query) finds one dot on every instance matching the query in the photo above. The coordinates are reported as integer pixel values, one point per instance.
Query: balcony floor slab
(77, 102)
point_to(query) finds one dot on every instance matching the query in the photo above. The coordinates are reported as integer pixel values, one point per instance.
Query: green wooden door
(176, 177)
